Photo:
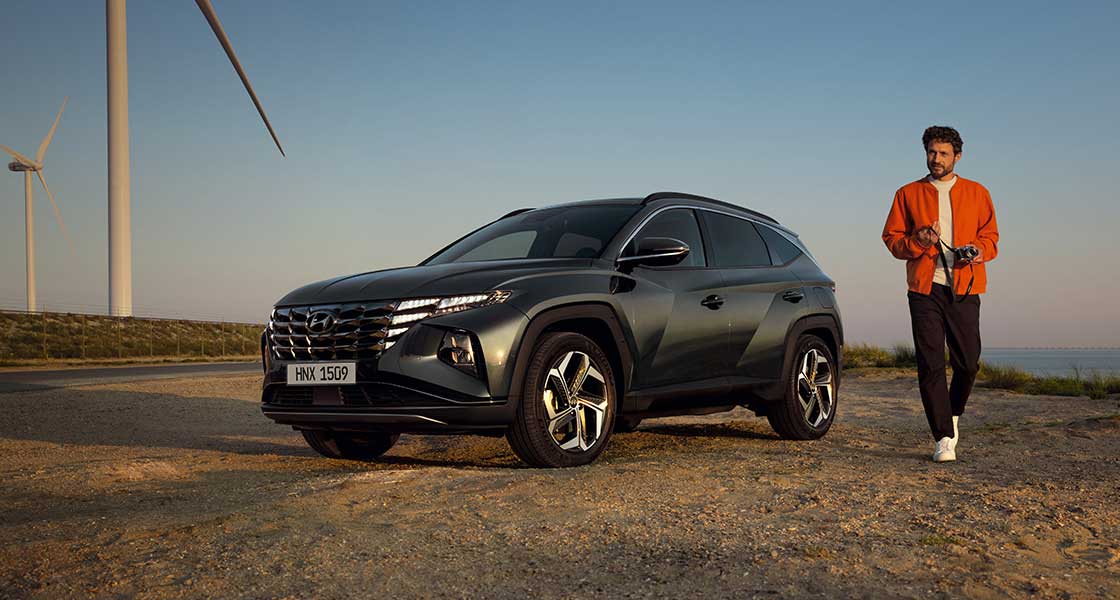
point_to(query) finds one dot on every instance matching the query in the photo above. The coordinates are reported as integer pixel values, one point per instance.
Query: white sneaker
(956, 435)
(944, 451)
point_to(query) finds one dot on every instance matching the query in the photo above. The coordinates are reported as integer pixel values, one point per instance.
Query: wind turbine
(120, 214)
(28, 166)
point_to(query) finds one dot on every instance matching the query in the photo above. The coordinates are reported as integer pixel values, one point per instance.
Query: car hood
(435, 280)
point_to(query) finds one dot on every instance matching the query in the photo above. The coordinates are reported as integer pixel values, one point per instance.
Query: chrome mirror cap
(657, 252)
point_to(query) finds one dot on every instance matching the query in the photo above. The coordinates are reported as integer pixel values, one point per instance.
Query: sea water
(1060, 361)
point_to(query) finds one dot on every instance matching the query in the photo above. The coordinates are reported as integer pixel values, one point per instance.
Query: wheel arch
(598, 322)
(824, 326)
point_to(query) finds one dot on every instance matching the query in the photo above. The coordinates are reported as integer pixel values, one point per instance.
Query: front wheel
(808, 406)
(567, 404)
(366, 446)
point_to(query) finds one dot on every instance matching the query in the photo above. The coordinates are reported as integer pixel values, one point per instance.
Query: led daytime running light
(419, 303)
(455, 301)
(409, 318)
(433, 307)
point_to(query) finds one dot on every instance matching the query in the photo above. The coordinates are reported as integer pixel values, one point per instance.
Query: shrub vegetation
(50, 336)
(1093, 385)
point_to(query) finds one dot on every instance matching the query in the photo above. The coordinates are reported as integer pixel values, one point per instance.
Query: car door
(680, 334)
(762, 296)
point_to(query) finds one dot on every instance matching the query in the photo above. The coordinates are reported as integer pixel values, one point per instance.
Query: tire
(806, 412)
(626, 424)
(548, 430)
(366, 446)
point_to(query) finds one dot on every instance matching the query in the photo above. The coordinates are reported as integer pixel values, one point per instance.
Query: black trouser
(936, 318)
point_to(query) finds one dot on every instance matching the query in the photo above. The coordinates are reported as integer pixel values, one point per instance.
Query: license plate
(322, 373)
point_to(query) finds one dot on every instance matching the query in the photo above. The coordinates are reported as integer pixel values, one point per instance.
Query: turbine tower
(27, 167)
(120, 214)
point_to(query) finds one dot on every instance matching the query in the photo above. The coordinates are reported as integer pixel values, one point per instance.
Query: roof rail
(514, 212)
(664, 195)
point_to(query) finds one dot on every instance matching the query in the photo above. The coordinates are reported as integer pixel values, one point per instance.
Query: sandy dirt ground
(182, 489)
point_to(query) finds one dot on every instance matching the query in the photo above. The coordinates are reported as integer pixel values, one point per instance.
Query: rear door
(762, 295)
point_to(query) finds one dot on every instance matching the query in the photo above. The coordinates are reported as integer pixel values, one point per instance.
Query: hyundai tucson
(557, 326)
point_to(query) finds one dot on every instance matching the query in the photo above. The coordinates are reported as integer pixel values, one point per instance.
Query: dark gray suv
(556, 326)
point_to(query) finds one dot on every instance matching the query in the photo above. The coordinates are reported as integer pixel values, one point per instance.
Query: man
(944, 227)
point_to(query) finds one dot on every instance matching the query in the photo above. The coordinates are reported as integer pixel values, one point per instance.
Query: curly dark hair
(943, 134)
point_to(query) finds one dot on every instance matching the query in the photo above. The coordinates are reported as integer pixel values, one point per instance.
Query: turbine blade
(212, 18)
(16, 155)
(47, 140)
(57, 214)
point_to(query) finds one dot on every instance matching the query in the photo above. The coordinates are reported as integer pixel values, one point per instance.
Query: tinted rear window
(781, 250)
(735, 242)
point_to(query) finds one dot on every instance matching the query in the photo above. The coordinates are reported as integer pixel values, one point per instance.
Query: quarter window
(680, 224)
(735, 242)
(781, 249)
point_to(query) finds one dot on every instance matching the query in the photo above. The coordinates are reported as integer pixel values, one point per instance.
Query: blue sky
(407, 124)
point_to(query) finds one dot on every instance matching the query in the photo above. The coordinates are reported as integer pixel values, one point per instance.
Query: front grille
(339, 331)
(358, 329)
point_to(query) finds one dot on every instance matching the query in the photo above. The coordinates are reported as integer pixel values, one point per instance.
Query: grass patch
(55, 363)
(865, 355)
(51, 336)
(1094, 385)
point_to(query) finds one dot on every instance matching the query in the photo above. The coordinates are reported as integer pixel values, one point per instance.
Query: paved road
(21, 381)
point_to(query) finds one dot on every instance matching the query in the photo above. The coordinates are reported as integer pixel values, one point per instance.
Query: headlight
(410, 311)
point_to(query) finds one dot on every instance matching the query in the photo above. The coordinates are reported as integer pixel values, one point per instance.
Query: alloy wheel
(815, 389)
(575, 402)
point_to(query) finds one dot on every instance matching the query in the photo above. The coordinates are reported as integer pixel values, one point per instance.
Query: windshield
(561, 232)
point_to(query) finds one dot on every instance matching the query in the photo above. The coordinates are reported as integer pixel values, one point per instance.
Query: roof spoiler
(664, 195)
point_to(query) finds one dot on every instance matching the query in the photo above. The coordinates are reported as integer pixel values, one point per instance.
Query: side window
(510, 245)
(735, 242)
(680, 224)
(781, 249)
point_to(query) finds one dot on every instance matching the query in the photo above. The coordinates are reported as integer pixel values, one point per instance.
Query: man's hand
(928, 235)
(979, 258)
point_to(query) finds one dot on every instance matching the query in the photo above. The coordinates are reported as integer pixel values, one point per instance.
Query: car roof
(658, 197)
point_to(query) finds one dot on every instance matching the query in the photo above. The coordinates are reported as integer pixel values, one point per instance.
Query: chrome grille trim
(358, 331)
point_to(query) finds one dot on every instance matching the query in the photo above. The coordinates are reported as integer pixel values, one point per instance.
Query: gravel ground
(182, 489)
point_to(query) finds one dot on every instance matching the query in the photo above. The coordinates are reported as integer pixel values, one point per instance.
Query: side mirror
(656, 252)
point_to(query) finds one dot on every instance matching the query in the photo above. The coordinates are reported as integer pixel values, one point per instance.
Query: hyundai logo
(320, 321)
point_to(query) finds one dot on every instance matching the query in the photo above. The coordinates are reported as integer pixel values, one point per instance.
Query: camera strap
(952, 275)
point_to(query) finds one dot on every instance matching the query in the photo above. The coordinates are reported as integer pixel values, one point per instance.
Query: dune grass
(865, 355)
(1095, 385)
(77, 337)
(1078, 383)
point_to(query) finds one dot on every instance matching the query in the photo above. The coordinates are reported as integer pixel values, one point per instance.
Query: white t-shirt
(945, 215)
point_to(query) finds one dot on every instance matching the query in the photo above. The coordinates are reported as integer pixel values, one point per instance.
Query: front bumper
(408, 389)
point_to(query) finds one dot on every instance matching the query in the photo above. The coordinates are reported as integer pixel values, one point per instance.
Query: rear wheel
(567, 404)
(365, 446)
(808, 406)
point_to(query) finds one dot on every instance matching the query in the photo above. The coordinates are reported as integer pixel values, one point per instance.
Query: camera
(966, 253)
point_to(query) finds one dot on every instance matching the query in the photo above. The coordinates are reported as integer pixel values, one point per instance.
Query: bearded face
(941, 159)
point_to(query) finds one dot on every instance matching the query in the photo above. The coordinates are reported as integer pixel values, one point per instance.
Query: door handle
(713, 302)
(794, 296)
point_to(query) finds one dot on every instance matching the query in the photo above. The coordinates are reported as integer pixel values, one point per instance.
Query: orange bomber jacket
(974, 222)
